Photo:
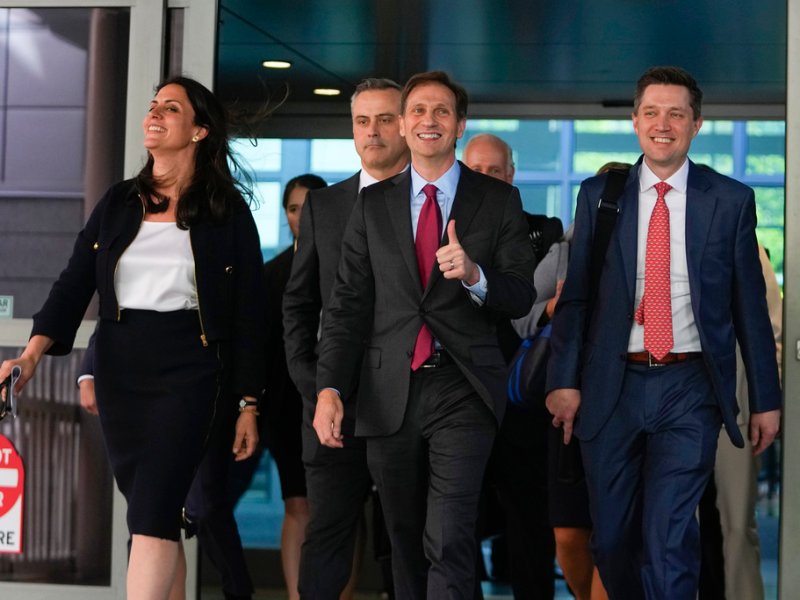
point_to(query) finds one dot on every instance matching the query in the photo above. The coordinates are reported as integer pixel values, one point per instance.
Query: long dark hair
(213, 191)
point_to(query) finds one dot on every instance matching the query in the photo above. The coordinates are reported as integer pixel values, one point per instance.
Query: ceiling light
(327, 91)
(276, 64)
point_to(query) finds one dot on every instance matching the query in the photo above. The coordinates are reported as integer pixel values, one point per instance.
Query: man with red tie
(645, 373)
(431, 260)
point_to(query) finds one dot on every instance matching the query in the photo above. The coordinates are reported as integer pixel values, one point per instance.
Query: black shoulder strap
(607, 211)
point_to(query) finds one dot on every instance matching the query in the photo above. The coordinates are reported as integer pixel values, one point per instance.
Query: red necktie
(429, 233)
(655, 310)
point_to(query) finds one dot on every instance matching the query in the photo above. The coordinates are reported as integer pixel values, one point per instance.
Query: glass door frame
(145, 68)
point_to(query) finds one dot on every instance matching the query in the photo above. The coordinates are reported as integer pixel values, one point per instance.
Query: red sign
(12, 487)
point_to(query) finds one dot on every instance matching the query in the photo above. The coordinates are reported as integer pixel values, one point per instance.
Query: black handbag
(528, 369)
(526, 379)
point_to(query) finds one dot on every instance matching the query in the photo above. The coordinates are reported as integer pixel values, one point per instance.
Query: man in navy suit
(649, 424)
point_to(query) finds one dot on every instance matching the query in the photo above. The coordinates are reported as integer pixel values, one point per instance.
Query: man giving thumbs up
(411, 323)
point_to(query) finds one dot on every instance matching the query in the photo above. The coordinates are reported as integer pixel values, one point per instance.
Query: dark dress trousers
(648, 435)
(338, 481)
(517, 470)
(428, 434)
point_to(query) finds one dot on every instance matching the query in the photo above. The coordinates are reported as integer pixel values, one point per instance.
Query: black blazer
(281, 391)
(228, 271)
(378, 305)
(322, 225)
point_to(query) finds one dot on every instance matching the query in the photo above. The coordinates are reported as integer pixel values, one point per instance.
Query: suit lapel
(398, 204)
(347, 196)
(700, 207)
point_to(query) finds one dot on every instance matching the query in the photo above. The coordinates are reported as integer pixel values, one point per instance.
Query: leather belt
(645, 358)
(440, 358)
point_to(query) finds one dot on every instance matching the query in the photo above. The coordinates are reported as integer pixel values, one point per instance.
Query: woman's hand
(87, 395)
(27, 361)
(246, 440)
(26, 368)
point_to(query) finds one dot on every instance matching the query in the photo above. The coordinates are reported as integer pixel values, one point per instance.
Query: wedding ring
(452, 265)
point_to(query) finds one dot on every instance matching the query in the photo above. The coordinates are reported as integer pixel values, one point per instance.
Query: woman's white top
(156, 272)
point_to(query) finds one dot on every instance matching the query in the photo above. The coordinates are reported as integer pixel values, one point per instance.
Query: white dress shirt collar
(678, 180)
(365, 179)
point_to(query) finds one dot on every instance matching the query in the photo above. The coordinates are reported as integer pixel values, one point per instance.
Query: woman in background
(282, 421)
(175, 258)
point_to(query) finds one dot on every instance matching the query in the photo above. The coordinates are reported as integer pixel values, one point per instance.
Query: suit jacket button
(96, 246)
(410, 353)
(229, 269)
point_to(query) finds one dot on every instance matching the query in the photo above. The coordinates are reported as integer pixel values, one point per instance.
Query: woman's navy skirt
(157, 388)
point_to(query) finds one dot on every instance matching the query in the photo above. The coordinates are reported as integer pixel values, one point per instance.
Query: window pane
(766, 148)
(334, 156)
(770, 215)
(264, 155)
(268, 214)
(536, 144)
(713, 146)
(51, 87)
(600, 141)
(540, 199)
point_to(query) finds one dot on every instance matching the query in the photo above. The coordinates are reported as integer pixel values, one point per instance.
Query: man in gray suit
(414, 328)
(338, 480)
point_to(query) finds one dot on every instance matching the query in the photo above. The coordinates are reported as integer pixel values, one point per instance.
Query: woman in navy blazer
(175, 258)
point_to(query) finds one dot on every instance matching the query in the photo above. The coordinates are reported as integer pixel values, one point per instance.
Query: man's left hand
(764, 428)
(454, 262)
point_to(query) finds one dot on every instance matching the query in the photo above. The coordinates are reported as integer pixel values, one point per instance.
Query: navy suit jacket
(727, 293)
(378, 305)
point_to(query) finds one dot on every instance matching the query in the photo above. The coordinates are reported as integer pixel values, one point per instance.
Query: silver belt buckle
(653, 362)
(434, 361)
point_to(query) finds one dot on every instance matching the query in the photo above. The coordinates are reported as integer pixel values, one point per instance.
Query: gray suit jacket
(378, 305)
(322, 225)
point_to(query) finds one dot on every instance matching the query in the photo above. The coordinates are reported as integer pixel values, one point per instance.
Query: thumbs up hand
(454, 262)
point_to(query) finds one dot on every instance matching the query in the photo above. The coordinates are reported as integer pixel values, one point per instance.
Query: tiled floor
(767, 522)
(769, 568)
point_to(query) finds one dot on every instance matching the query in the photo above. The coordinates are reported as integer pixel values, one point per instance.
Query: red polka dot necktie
(429, 233)
(655, 310)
